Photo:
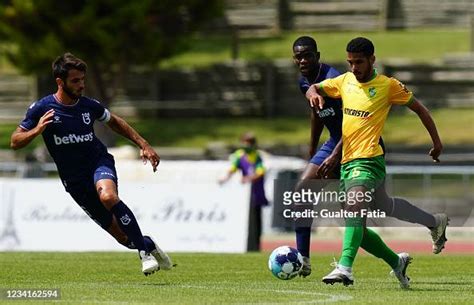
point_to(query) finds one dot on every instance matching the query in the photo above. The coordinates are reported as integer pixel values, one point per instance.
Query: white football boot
(163, 259)
(339, 275)
(438, 233)
(400, 271)
(149, 263)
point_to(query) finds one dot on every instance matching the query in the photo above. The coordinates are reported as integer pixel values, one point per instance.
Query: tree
(110, 35)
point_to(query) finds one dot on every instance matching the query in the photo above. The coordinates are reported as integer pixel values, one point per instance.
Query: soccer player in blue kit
(325, 163)
(65, 120)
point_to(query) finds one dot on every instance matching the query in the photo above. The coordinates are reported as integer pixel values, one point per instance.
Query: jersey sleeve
(259, 168)
(100, 112)
(33, 114)
(331, 87)
(333, 72)
(399, 94)
(235, 160)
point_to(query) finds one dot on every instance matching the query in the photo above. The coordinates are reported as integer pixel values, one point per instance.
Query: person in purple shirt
(65, 120)
(248, 160)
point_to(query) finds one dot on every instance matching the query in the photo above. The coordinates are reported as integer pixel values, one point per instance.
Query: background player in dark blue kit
(306, 57)
(325, 163)
(65, 120)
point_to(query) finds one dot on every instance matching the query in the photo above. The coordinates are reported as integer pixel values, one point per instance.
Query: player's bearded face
(73, 86)
(361, 66)
(73, 93)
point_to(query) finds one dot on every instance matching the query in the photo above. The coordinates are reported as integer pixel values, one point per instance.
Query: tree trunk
(98, 89)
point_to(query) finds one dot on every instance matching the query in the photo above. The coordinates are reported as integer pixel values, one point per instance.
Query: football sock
(353, 235)
(129, 244)
(129, 225)
(149, 244)
(303, 237)
(347, 269)
(373, 244)
(404, 210)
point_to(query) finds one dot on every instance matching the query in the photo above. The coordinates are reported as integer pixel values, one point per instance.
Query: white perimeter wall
(181, 205)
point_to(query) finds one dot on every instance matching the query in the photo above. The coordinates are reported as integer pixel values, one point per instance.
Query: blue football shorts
(324, 151)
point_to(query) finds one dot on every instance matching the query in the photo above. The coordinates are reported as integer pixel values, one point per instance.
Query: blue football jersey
(70, 137)
(331, 114)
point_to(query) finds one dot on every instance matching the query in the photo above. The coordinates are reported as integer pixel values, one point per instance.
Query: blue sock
(303, 237)
(149, 244)
(129, 225)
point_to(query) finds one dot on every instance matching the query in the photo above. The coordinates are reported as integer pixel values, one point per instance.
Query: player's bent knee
(356, 199)
(109, 199)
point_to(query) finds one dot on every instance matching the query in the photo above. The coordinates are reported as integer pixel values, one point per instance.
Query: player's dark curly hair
(361, 45)
(62, 64)
(307, 42)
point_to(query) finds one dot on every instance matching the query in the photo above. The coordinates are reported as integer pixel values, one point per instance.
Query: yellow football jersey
(365, 109)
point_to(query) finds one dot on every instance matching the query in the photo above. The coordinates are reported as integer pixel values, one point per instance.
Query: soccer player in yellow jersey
(367, 98)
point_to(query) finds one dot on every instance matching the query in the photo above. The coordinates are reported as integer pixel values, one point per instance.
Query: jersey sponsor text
(73, 138)
(327, 112)
(357, 113)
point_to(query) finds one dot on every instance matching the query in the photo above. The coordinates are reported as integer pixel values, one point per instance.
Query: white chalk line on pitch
(330, 297)
(94, 302)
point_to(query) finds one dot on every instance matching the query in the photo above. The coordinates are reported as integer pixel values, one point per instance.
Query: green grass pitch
(115, 278)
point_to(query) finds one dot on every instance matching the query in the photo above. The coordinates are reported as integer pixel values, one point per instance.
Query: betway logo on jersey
(326, 112)
(73, 138)
(357, 113)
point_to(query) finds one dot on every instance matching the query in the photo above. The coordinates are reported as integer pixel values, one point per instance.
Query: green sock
(373, 244)
(353, 236)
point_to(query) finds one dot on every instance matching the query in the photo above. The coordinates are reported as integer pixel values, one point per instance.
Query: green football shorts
(368, 172)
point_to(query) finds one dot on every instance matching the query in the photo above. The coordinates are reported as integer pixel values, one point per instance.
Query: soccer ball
(285, 262)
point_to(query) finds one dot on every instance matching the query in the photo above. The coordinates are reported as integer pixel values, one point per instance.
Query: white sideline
(330, 297)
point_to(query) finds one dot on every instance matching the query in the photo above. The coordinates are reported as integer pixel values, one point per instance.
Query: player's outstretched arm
(425, 117)
(314, 98)
(121, 127)
(226, 178)
(21, 137)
